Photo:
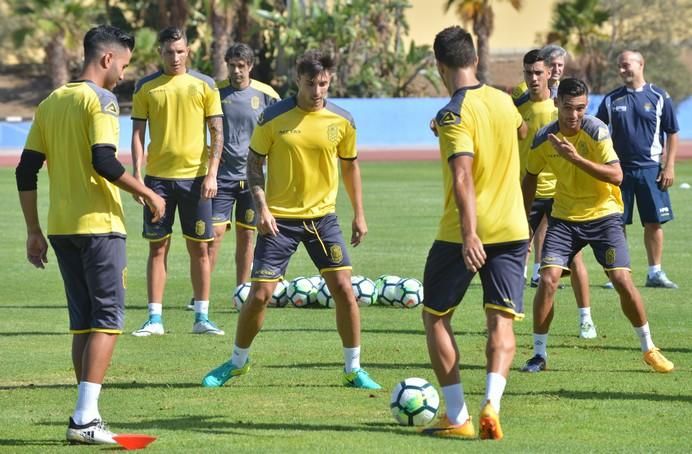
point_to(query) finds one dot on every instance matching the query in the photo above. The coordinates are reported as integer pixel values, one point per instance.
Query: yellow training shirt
(302, 150)
(176, 108)
(536, 115)
(66, 125)
(578, 197)
(482, 122)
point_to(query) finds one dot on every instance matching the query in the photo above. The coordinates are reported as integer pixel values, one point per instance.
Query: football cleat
(93, 433)
(206, 327)
(489, 421)
(444, 428)
(587, 330)
(535, 364)
(191, 305)
(608, 286)
(659, 280)
(223, 373)
(657, 361)
(150, 329)
(358, 378)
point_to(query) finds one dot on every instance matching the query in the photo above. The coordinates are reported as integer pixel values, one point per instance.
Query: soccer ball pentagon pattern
(279, 297)
(408, 293)
(324, 296)
(414, 402)
(364, 290)
(299, 291)
(385, 286)
(240, 295)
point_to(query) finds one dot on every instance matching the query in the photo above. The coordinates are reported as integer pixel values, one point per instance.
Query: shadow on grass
(604, 395)
(367, 365)
(31, 307)
(13, 442)
(33, 333)
(417, 332)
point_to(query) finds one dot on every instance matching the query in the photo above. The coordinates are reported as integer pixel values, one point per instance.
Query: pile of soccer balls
(313, 292)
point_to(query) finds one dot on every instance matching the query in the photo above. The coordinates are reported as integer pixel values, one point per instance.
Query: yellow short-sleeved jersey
(176, 108)
(481, 121)
(536, 115)
(302, 150)
(578, 197)
(66, 125)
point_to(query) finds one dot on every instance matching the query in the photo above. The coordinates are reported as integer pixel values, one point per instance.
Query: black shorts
(322, 238)
(94, 270)
(540, 208)
(232, 193)
(446, 278)
(653, 204)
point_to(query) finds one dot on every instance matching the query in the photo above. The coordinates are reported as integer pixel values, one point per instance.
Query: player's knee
(260, 297)
(549, 279)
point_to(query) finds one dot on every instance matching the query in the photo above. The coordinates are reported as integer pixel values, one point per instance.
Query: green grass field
(597, 397)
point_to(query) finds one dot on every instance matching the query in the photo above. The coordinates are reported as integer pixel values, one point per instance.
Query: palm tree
(480, 14)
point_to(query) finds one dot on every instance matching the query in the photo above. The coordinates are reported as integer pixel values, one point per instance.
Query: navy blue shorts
(540, 208)
(446, 278)
(94, 271)
(606, 236)
(322, 238)
(653, 204)
(194, 211)
(233, 193)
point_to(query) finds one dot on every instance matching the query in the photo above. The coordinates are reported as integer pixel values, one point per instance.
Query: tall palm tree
(480, 14)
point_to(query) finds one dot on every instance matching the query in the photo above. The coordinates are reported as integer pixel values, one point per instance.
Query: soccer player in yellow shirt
(179, 105)
(483, 230)
(302, 139)
(75, 130)
(587, 210)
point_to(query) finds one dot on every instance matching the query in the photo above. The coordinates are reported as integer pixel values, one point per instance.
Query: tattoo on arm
(215, 125)
(255, 177)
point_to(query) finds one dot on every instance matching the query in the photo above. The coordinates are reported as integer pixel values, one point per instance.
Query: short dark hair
(103, 35)
(314, 62)
(171, 34)
(572, 87)
(454, 47)
(242, 51)
(533, 56)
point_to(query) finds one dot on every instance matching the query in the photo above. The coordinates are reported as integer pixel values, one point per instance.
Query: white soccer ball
(324, 296)
(408, 293)
(364, 290)
(279, 297)
(240, 295)
(317, 282)
(414, 402)
(299, 291)
(385, 285)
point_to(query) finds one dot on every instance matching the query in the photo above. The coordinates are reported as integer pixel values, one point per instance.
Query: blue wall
(381, 123)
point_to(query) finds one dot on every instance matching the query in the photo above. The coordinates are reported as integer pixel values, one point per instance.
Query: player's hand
(37, 249)
(473, 253)
(665, 178)
(359, 228)
(267, 224)
(564, 147)
(433, 127)
(138, 198)
(209, 187)
(157, 206)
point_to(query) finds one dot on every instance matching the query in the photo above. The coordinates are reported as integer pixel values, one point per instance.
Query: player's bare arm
(528, 191)
(465, 197)
(139, 191)
(667, 176)
(255, 175)
(522, 131)
(36, 244)
(139, 128)
(609, 172)
(209, 185)
(350, 171)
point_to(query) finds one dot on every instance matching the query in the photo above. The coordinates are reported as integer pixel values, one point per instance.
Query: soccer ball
(364, 290)
(385, 286)
(316, 284)
(324, 296)
(240, 295)
(279, 297)
(408, 293)
(414, 402)
(299, 291)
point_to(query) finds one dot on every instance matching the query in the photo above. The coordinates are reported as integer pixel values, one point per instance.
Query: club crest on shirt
(333, 133)
(200, 228)
(249, 215)
(255, 102)
(335, 253)
(648, 106)
(112, 108)
(610, 256)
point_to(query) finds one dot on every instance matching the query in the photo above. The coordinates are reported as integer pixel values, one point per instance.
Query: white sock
(457, 413)
(239, 356)
(201, 309)
(494, 388)
(540, 342)
(351, 359)
(645, 337)
(585, 314)
(87, 408)
(155, 309)
(536, 267)
(653, 269)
